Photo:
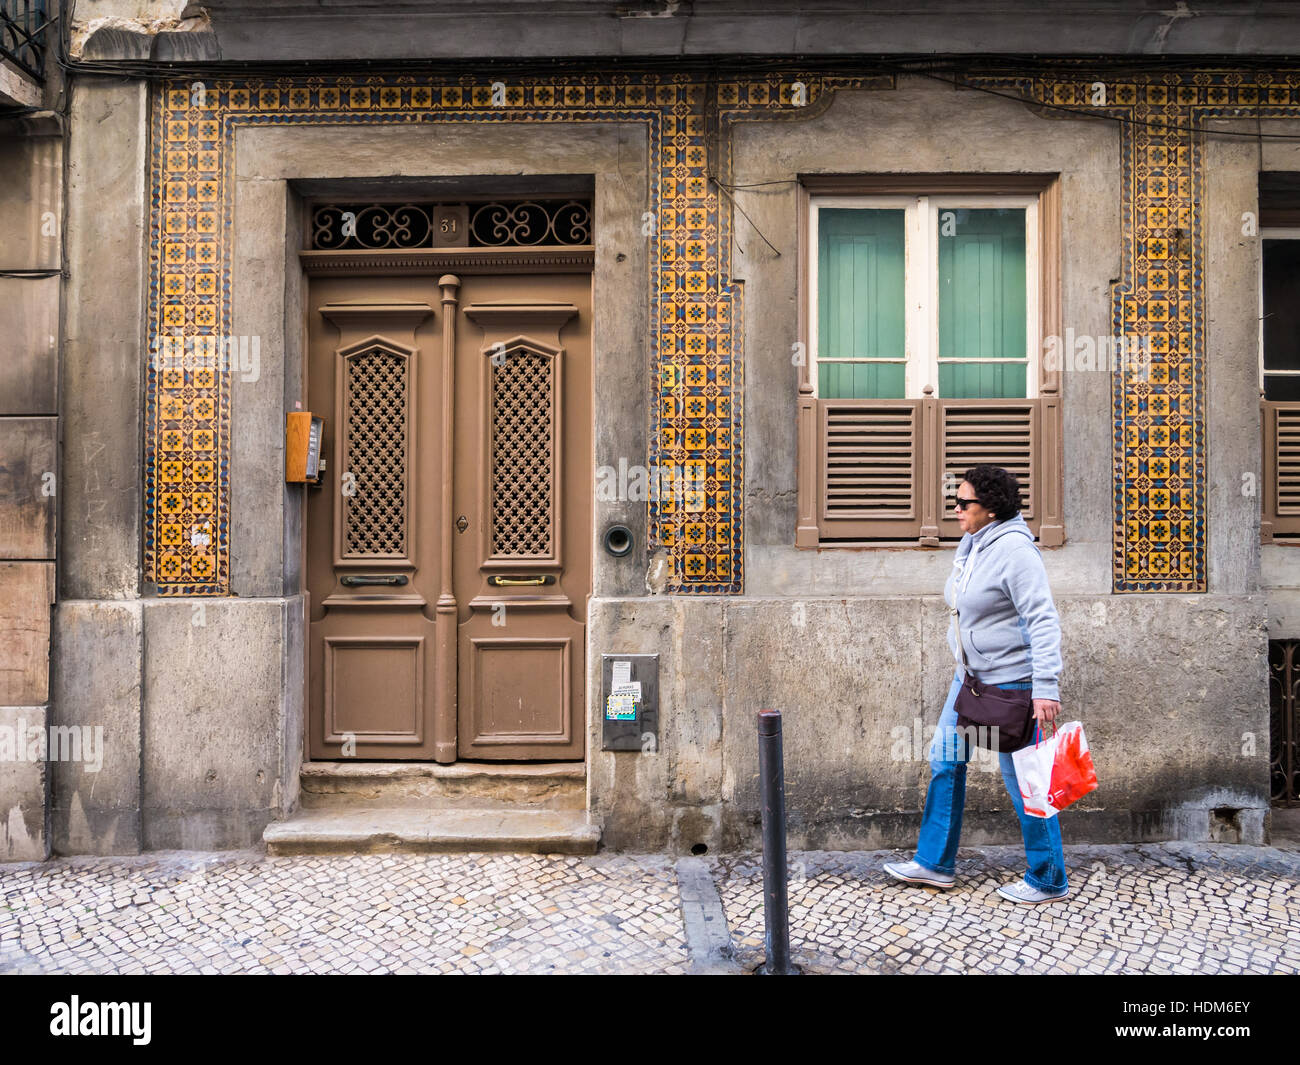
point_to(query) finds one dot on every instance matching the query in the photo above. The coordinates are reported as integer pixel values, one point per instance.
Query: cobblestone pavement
(1158, 908)
(1153, 908)
(245, 912)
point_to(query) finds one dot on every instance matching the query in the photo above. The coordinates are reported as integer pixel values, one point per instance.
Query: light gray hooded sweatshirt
(1009, 624)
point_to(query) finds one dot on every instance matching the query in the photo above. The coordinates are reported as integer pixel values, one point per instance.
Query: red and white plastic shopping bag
(1055, 772)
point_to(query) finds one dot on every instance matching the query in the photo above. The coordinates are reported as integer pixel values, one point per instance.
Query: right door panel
(523, 500)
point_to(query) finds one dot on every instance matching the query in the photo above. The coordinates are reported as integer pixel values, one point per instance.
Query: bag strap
(961, 647)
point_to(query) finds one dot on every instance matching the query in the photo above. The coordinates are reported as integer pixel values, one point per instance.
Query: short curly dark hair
(997, 490)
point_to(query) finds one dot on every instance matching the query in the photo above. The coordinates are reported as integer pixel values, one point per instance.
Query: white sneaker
(912, 873)
(1023, 891)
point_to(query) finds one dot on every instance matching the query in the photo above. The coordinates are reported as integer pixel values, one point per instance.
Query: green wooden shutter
(982, 302)
(861, 309)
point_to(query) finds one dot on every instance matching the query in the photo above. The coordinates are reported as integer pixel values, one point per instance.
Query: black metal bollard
(776, 910)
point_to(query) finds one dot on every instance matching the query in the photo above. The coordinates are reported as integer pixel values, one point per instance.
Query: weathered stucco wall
(252, 30)
(31, 209)
(964, 132)
(97, 668)
(206, 708)
(861, 681)
(1171, 687)
(201, 701)
(1279, 563)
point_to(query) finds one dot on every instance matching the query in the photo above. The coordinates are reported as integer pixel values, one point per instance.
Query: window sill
(893, 545)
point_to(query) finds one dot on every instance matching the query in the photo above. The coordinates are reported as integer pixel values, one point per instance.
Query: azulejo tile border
(696, 391)
(1158, 424)
(1158, 441)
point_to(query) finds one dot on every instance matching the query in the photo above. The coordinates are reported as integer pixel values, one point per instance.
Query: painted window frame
(1043, 388)
(1271, 233)
(1279, 522)
(921, 229)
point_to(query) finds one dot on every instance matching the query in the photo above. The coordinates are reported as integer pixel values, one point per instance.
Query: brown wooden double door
(449, 542)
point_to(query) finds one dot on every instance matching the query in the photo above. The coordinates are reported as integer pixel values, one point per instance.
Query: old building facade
(673, 347)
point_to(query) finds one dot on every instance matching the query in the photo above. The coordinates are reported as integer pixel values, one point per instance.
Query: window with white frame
(925, 301)
(1279, 336)
(916, 291)
(1279, 377)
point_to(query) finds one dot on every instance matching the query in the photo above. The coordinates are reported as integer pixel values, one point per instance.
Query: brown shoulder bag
(1001, 720)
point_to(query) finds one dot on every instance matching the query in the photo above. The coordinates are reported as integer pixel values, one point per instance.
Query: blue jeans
(936, 849)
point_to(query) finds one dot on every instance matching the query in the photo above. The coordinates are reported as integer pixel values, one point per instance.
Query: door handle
(514, 582)
(354, 580)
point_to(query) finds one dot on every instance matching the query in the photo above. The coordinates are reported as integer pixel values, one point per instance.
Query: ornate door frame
(442, 262)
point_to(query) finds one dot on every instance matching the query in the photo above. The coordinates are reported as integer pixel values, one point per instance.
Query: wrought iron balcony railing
(22, 35)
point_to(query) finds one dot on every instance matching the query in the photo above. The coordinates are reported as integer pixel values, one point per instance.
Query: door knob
(462, 523)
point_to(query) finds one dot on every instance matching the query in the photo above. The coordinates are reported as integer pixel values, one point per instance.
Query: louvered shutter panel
(1281, 467)
(869, 469)
(1288, 461)
(998, 432)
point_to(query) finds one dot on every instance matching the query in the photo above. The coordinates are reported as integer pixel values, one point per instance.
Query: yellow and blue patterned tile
(696, 311)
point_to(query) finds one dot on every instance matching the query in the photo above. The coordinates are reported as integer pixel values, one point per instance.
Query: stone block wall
(31, 220)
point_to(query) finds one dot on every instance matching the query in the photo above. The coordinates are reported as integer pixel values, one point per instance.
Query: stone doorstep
(406, 829)
(464, 785)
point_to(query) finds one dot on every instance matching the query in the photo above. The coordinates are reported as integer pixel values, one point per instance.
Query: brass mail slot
(515, 582)
(356, 580)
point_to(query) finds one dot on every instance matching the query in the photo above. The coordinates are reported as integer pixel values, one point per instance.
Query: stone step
(462, 785)
(405, 829)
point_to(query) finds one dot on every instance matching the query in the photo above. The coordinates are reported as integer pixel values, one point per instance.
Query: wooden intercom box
(302, 436)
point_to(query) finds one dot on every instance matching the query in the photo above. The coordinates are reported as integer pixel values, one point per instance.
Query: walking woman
(1012, 638)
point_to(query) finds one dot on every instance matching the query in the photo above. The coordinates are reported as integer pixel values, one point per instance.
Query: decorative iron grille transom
(523, 422)
(498, 224)
(374, 495)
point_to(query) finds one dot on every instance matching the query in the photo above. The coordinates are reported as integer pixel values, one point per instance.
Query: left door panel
(372, 552)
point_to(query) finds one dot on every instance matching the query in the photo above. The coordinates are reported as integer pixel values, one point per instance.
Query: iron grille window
(492, 224)
(1283, 730)
(22, 29)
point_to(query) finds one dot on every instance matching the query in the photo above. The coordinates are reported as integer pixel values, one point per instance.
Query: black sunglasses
(962, 504)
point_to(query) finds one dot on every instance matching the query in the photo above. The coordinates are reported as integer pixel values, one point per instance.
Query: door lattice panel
(374, 515)
(523, 459)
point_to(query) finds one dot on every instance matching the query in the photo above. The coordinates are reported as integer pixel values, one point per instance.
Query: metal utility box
(302, 434)
(629, 702)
